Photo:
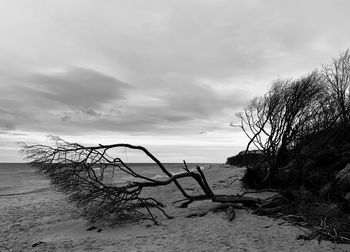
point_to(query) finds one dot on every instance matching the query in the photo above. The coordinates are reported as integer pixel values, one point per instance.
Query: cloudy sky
(169, 75)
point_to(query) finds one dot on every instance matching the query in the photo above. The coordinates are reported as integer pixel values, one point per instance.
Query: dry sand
(46, 217)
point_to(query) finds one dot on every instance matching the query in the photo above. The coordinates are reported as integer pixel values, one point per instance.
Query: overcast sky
(169, 75)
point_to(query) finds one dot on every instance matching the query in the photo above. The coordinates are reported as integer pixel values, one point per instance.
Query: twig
(186, 168)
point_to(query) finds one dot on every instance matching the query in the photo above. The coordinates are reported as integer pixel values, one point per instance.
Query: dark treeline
(300, 128)
(299, 132)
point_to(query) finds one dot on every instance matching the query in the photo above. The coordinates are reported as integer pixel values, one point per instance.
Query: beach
(43, 221)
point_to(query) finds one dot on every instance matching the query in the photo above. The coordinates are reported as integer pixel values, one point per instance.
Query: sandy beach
(45, 220)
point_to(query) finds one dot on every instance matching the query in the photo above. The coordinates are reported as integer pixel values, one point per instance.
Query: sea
(21, 179)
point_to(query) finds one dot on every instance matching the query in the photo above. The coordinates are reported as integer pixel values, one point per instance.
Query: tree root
(229, 209)
(268, 211)
(271, 206)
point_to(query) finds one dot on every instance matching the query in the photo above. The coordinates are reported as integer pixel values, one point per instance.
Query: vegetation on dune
(300, 134)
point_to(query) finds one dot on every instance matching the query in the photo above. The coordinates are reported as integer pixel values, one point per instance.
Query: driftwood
(87, 176)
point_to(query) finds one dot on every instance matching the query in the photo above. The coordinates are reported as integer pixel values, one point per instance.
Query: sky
(168, 75)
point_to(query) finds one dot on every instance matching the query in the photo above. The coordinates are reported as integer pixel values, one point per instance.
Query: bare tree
(88, 176)
(337, 77)
(276, 122)
(301, 128)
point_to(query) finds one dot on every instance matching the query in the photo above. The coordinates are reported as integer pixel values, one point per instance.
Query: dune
(44, 221)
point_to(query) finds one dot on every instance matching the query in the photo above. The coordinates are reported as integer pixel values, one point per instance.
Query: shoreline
(45, 219)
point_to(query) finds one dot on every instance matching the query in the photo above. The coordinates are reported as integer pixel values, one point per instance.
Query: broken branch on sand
(87, 176)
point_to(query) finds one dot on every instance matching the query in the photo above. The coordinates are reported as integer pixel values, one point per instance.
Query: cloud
(79, 100)
(44, 96)
(78, 88)
(202, 101)
(154, 68)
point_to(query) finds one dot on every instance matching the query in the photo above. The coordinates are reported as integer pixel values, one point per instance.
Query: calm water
(21, 178)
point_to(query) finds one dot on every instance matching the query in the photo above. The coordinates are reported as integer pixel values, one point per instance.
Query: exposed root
(229, 209)
(268, 211)
(186, 204)
(260, 191)
(224, 206)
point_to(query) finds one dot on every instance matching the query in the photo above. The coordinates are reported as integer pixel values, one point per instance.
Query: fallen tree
(88, 175)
